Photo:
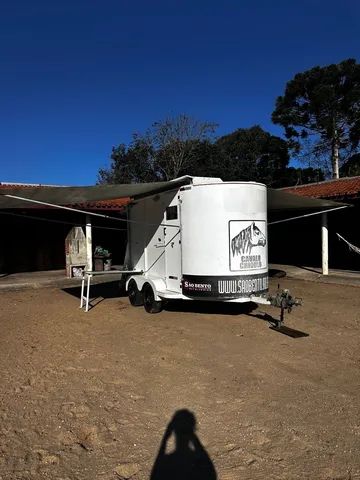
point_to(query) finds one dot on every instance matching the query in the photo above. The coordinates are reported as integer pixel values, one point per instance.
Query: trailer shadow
(273, 325)
(208, 307)
(99, 292)
(222, 308)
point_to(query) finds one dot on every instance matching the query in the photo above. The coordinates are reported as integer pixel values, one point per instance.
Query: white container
(224, 240)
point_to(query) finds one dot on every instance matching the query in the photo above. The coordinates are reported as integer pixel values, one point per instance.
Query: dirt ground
(90, 395)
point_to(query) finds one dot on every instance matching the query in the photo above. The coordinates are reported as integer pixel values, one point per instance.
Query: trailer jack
(285, 301)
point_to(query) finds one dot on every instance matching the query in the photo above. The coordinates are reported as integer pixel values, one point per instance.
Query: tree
(184, 146)
(168, 149)
(174, 142)
(132, 164)
(299, 176)
(352, 167)
(208, 161)
(253, 154)
(323, 104)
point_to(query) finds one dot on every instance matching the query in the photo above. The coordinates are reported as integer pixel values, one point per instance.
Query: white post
(324, 245)
(89, 258)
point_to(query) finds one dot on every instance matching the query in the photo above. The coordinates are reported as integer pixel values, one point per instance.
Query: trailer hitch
(285, 301)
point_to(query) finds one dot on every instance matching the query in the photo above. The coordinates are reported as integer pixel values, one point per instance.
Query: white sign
(247, 245)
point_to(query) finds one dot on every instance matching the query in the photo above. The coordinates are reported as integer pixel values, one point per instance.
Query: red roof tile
(114, 204)
(348, 187)
(27, 185)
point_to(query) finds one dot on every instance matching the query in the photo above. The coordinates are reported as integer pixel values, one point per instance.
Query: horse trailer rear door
(172, 238)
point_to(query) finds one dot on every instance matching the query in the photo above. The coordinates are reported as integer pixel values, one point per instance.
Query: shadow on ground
(290, 332)
(208, 307)
(102, 291)
(275, 273)
(99, 292)
(222, 308)
(308, 269)
(189, 459)
(115, 289)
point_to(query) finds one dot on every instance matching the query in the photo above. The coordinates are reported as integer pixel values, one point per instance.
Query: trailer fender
(157, 284)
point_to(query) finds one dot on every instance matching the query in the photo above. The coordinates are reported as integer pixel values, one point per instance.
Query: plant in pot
(102, 259)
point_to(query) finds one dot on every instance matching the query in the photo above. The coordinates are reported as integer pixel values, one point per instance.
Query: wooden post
(324, 244)
(89, 257)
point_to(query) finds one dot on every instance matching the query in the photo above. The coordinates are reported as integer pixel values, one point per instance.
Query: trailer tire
(150, 304)
(135, 296)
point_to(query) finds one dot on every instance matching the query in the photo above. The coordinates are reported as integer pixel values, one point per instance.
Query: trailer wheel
(135, 296)
(150, 304)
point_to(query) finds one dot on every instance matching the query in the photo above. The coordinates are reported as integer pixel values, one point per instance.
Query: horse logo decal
(248, 238)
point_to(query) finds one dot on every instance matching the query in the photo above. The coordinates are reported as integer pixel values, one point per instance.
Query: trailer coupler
(285, 301)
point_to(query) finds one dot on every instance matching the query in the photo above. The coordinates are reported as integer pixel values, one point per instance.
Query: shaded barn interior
(28, 244)
(298, 242)
(33, 244)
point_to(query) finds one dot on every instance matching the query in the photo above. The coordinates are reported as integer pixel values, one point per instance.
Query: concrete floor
(341, 277)
(50, 278)
(57, 278)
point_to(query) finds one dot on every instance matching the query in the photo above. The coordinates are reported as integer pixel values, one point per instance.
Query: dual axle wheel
(144, 297)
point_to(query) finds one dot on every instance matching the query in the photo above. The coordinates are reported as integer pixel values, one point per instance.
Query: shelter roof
(115, 204)
(75, 196)
(342, 188)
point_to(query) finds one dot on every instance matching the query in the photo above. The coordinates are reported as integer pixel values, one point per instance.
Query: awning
(79, 195)
(278, 200)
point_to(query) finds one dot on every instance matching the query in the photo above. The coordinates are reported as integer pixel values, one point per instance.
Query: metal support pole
(89, 258)
(88, 293)
(324, 244)
(82, 291)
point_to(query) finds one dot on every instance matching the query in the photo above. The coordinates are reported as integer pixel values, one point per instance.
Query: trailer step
(170, 295)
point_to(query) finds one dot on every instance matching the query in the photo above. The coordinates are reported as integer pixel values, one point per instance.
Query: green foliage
(171, 149)
(253, 154)
(132, 164)
(300, 176)
(101, 252)
(164, 152)
(320, 112)
(207, 161)
(352, 167)
(322, 104)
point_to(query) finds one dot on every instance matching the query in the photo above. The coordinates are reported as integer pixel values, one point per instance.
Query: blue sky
(77, 77)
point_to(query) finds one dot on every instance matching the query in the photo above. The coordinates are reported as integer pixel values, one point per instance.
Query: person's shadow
(189, 460)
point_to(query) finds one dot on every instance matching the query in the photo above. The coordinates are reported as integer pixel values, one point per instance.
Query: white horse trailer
(203, 241)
